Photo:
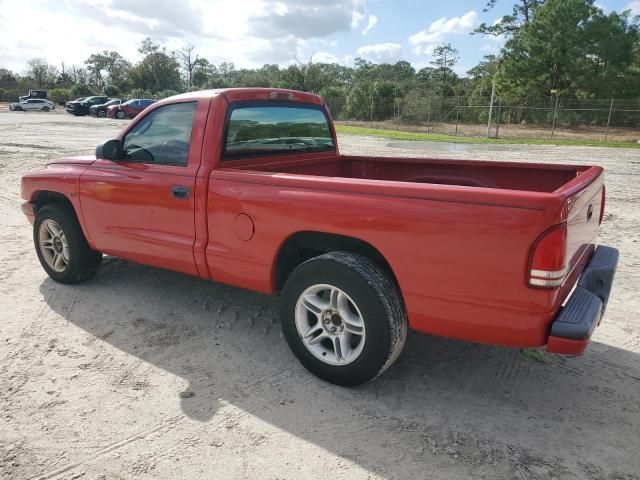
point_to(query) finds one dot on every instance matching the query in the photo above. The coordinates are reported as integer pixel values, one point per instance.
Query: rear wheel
(343, 318)
(61, 246)
(120, 114)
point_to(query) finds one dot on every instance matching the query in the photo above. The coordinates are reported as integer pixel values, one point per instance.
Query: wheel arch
(46, 197)
(41, 198)
(302, 246)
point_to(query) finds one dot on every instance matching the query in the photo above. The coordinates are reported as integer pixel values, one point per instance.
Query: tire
(365, 296)
(81, 262)
(45, 109)
(101, 113)
(120, 115)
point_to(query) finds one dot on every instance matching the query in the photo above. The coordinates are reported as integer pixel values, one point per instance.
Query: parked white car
(33, 104)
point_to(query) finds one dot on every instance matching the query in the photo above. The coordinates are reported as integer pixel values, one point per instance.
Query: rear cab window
(273, 128)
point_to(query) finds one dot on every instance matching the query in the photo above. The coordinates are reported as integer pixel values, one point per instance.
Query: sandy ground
(144, 373)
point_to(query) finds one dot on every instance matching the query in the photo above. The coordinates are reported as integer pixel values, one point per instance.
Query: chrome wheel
(330, 324)
(53, 245)
(102, 113)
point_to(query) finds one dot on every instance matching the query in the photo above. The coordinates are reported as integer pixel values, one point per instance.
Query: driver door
(141, 208)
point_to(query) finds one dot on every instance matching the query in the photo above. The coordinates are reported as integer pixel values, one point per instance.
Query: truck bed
(528, 177)
(470, 221)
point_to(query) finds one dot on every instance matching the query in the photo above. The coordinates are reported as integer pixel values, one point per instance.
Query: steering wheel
(174, 147)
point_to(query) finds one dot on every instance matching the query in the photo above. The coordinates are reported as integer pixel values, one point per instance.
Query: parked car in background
(101, 110)
(34, 94)
(33, 104)
(82, 107)
(129, 109)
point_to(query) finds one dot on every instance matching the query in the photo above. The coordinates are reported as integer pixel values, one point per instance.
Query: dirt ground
(144, 373)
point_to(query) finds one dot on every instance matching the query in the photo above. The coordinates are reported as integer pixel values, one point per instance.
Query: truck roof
(252, 93)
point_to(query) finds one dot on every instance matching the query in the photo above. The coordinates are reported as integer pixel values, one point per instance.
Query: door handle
(179, 191)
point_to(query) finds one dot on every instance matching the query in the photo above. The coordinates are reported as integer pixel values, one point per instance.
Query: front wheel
(61, 246)
(343, 318)
(102, 113)
(45, 109)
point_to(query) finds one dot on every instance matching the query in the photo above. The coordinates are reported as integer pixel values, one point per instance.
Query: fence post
(493, 98)
(371, 118)
(498, 118)
(429, 117)
(606, 135)
(555, 116)
(457, 114)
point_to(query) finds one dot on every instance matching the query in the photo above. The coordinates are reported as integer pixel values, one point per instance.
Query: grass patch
(535, 355)
(439, 137)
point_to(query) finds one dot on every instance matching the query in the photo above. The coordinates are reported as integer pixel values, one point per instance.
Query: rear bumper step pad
(582, 313)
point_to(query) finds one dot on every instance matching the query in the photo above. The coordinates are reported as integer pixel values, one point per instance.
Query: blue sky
(250, 33)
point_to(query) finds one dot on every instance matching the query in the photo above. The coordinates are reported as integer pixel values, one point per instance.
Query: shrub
(166, 93)
(111, 91)
(81, 90)
(140, 93)
(60, 95)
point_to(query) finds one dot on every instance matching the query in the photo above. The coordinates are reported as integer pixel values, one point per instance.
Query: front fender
(56, 182)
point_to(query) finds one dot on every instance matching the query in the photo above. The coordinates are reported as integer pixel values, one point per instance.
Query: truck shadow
(443, 400)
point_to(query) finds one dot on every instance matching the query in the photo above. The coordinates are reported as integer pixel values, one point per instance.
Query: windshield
(271, 128)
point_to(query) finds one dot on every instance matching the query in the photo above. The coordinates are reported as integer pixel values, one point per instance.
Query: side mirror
(110, 150)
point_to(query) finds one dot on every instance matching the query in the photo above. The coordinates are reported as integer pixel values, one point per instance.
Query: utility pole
(606, 135)
(493, 98)
(555, 112)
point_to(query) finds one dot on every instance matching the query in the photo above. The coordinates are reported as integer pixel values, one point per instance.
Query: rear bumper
(582, 313)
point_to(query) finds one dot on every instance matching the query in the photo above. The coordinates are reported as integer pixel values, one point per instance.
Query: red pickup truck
(248, 187)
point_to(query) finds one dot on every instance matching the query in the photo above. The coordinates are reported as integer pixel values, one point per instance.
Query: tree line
(553, 47)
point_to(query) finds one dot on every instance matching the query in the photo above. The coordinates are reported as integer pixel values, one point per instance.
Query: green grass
(438, 137)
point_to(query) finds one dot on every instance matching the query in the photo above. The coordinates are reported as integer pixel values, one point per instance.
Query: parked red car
(248, 187)
(129, 109)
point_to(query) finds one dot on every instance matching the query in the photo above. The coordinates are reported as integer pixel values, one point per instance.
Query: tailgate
(584, 209)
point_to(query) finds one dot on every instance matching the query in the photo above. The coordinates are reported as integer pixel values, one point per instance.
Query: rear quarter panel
(459, 253)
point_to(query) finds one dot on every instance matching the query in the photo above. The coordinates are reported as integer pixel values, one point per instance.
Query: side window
(163, 136)
(270, 128)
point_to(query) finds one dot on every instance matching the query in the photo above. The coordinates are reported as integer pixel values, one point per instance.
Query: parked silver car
(33, 104)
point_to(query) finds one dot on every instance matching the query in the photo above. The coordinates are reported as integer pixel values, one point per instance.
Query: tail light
(602, 203)
(548, 265)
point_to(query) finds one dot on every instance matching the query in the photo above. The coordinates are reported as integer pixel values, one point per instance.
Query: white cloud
(381, 52)
(634, 6)
(372, 23)
(324, 57)
(426, 40)
(248, 32)
(306, 18)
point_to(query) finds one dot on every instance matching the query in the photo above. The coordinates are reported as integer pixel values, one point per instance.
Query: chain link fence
(607, 120)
